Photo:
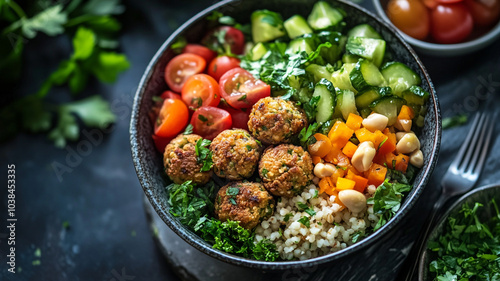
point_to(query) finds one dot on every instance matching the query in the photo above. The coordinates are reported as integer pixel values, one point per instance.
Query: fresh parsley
(304, 208)
(306, 135)
(188, 130)
(204, 154)
(305, 221)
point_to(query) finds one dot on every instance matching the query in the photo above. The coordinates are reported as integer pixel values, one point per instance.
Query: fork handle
(417, 249)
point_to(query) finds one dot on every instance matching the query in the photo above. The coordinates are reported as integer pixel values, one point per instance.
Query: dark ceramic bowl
(481, 195)
(148, 162)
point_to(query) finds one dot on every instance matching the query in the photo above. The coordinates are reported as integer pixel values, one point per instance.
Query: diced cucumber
(346, 103)
(364, 99)
(341, 78)
(399, 77)
(388, 106)
(365, 112)
(258, 51)
(350, 58)
(364, 30)
(319, 72)
(301, 44)
(416, 95)
(326, 104)
(366, 75)
(304, 95)
(324, 16)
(368, 48)
(332, 54)
(297, 26)
(294, 82)
(266, 26)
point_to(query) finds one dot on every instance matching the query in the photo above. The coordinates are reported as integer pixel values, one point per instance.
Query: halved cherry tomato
(172, 119)
(431, 4)
(201, 90)
(160, 142)
(181, 67)
(484, 12)
(221, 65)
(201, 51)
(451, 23)
(241, 90)
(209, 121)
(410, 16)
(224, 39)
(170, 95)
(239, 116)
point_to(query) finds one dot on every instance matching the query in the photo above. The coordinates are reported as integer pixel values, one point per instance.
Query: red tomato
(201, 90)
(233, 40)
(209, 121)
(451, 23)
(172, 119)
(170, 95)
(410, 16)
(484, 12)
(180, 68)
(221, 65)
(241, 90)
(161, 143)
(240, 117)
(431, 4)
(201, 51)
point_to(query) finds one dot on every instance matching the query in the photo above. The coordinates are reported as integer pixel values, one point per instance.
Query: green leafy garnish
(304, 208)
(287, 217)
(454, 121)
(306, 135)
(204, 154)
(188, 130)
(305, 221)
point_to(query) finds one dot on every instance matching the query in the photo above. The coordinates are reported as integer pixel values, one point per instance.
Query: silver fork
(461, 176)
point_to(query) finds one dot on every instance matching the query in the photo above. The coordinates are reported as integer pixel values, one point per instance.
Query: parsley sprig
(204, 154)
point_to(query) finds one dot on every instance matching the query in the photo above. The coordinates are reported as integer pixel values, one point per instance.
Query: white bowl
(442, 50)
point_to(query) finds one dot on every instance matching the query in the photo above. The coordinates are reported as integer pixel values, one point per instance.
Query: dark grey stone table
(99, 197)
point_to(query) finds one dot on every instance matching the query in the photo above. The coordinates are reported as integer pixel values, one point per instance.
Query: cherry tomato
(201, 90)
(239, 116)
(221, 65)
(209, 121)
(180, 68)
(172, 119)
(241, 90)
(431, 4)
(410, 16)
(201, 51)
(484, 12)
(170, 95)
(451, 23)
(232, 40)
(160, 142)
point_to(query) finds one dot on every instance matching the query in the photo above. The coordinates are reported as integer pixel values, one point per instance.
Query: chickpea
(354, 200)
(408, 143)
(403, 125)
(400, 135)
(324, 170)
(363, 157)
(417, 158)
(375, 122)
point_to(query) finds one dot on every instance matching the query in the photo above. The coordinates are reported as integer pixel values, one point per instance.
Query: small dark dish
(481, 195)
(148, 162)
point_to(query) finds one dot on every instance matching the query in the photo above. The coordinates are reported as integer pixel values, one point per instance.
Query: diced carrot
(378, 138)
(321, 147)
(349, 149)
(339, 173)
(376, 174)
(316, 159)
(402, 162)
(340, 134)
(350, 168)
(360, 181)
(363, 135)
(406, 113)
(343, 184)
(326, 185)
(336, 157)
(354, 121)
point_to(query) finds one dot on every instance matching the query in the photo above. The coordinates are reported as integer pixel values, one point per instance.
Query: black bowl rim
(444, 216)
(192, 238)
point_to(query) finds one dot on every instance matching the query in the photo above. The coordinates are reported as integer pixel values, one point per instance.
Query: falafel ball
(181, 163)
(285, 169)
(246, 202)
(274, 120)
(235, 154)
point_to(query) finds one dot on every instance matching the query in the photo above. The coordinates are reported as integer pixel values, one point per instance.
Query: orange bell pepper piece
(354, 121)
(349, 149)
(376, 174)
(336, 157)
(326, 185)
(321, 147)
(402, 162)
(343, 184)
(360, 181)
(339, 173)
(406, 113)
(316, 159)
(340, 134)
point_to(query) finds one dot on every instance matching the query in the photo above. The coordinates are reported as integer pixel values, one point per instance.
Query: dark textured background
(101, 199)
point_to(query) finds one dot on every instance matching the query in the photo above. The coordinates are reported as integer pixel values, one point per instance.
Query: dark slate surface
(109, 237)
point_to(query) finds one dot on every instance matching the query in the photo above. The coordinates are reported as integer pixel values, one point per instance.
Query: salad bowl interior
(148, 162)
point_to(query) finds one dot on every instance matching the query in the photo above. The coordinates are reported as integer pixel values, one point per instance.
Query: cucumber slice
(416, 95)
(364, 30)
(366, 75)
(297, 26)
(332, 54)
(319, 72)
(399, 76)
(258, 51)
(346, 103)
(364, 99)
(388, 106)
(340, 78)
(368, 48)
(299, 45)
(326, 104)
(324, 16)
(266, 26)
(350, 58)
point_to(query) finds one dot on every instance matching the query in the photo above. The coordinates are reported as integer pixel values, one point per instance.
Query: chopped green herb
(249, 147)
(242, 98)
(202, 118)
(264, 172)
(287, 217)
(36, 262)
(454, 121)
(305, 221)
(198, 101)
(232, 200)
(203, 154)
(188, 130)
(232, 191)
(38, 253)
(316, 193)
(306, 135)
(357, 236)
